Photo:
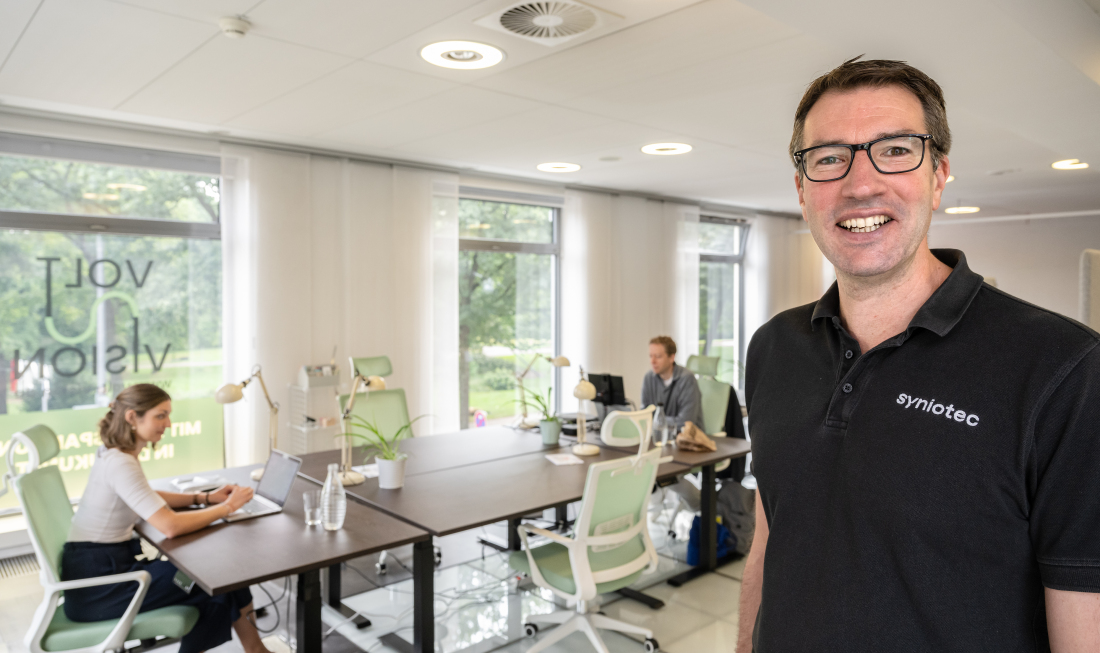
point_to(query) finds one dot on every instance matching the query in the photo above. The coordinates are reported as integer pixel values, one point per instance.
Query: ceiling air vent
(549, 22)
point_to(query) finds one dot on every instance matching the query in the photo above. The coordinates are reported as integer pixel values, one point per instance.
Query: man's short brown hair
(853, 74)
(668, 343)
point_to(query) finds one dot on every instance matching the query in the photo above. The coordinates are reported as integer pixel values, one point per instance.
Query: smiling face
(869, 224)
(151, 426)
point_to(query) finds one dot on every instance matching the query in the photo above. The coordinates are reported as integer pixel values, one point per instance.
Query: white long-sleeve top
(118, 494)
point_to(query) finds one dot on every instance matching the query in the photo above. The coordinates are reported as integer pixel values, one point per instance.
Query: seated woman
(118, 494)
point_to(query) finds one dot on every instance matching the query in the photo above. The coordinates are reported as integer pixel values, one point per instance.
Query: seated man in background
(671, 386)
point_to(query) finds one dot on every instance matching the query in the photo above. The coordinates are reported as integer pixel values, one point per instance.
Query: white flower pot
(391, 473)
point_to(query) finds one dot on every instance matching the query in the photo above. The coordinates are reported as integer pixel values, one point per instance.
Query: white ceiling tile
(208, 11)
(96, 53)
(227, 77)
(704, 32)
(439, 114)
(14, 17)
(352, 27)
(347, 95)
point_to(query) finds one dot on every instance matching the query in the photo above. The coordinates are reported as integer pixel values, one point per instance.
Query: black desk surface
(457, 499)
(433, 453)
(224, 557)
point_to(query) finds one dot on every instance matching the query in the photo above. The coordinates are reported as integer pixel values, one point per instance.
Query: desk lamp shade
(229, 393)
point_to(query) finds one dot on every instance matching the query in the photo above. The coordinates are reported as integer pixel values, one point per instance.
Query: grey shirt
(681, 399)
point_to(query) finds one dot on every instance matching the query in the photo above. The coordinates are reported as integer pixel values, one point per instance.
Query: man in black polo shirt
(927, 447)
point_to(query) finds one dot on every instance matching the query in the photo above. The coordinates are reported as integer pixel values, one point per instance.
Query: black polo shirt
(921, 495)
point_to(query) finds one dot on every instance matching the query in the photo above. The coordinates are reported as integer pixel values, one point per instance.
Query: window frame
(738, 260)
(39, 147)
(553, 249)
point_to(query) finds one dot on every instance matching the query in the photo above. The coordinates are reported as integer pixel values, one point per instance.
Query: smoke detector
(549, 22)
(235, 27)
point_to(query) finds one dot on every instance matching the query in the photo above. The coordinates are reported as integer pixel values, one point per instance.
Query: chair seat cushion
(174, 622)
(553, 562)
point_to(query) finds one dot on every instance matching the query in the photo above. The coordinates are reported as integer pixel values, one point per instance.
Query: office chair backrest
(627, 429)
(371, 366)
(612, 525)
(41, 445)
(48, 513)
(715, 396)
(702, 365)
(386, 409)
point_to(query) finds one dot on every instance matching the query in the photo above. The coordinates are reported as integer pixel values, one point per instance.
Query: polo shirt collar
(940, 313)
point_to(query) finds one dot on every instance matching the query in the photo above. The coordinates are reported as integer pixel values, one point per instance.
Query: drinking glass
(311, 501)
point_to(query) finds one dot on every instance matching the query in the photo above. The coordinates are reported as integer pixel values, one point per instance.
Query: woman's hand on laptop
(220, 495)
(237, 496)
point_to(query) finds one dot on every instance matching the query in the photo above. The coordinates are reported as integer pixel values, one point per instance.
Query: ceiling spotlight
(666, 149)
(235, 27)
(950, 178)
(463, 55)
(1069, 164)
(558, 167)
(954, 210)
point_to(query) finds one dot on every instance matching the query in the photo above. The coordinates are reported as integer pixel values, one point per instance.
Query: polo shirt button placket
(848, 354)
(847, 388)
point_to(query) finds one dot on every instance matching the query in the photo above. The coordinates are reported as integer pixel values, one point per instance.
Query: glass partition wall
(721, 295)
(507, 309)
(111, 276)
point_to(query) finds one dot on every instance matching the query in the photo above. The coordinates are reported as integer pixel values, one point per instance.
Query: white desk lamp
(523, 421)
(584, 391)
(234, 392)
(348, 476)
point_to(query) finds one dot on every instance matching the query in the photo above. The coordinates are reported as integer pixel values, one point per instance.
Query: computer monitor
(609, 389)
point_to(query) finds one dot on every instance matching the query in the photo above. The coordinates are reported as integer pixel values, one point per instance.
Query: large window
(111, 276)
(721, 295)
(507, 307)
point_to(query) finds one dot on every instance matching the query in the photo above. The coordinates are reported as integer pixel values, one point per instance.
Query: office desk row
(454, 482)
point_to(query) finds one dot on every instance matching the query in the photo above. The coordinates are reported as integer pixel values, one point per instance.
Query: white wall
(1035, 260)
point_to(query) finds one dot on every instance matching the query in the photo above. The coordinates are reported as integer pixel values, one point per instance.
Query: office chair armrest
(117, 638)
(550, 535)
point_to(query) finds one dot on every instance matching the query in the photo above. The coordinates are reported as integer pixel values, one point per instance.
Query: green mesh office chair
(626, 429)
(371, 366)
(49, 513)
(610, 550)
(702, 365)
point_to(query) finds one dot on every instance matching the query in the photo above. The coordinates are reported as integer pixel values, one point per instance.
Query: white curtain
(630, 271)
(323, 254)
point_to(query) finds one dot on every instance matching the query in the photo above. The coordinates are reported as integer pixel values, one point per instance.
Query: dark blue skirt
(81, 560)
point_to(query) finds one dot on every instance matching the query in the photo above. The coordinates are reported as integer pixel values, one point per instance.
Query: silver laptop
(273, 489)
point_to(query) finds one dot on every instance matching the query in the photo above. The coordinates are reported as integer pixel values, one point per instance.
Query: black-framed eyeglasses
(892, 155)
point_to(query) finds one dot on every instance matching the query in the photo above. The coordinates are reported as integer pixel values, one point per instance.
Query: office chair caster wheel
(530, 630)
(671, 534)
(651, 645)
(438, 557)
(380, 567)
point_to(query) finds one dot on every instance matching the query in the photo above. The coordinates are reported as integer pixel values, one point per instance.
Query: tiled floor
(479, 605)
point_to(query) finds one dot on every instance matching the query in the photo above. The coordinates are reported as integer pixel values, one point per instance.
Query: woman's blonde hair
(114, 430)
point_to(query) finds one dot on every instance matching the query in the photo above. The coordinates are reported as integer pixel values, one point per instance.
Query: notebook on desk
(273, 490)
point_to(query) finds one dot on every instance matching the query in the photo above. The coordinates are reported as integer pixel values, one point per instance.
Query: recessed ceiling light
(558, 167)
(950, 178)
(666, 149)
(961, 209)
(464, 55)
(1069, 164)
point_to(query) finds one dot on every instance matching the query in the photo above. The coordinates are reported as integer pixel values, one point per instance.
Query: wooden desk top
(461, 498)
(224, 557)
(433, 453)
(728, 448)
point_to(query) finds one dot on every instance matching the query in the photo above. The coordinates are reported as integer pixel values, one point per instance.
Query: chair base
(587, 623)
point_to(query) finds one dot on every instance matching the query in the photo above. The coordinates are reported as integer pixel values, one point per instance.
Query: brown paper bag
(692, 438)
